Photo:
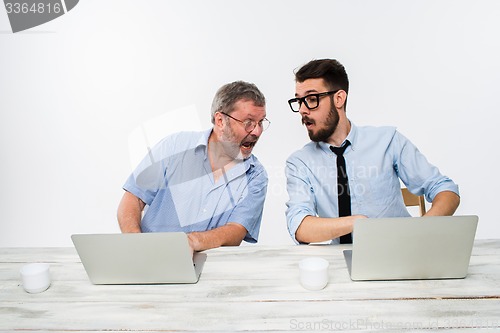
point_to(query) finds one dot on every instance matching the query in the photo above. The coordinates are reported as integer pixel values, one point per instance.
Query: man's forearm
(130, 213)
(319, 229)
(230, 234)
(444, 204)
(129, 224)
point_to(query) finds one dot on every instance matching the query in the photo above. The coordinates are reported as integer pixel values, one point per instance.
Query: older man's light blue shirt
(176, 182)
(376, 160)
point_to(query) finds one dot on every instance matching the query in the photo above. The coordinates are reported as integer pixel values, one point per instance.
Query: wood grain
(249, 288)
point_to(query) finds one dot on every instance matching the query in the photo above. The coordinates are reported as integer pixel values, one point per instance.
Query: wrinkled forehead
(247, 108)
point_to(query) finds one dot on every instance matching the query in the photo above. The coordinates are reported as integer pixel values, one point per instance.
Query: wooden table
(249, 288)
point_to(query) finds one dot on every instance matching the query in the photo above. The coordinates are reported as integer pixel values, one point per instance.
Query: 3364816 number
(35, 8)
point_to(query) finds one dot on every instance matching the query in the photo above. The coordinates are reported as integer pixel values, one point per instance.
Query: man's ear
(339, 99)
(218, 120)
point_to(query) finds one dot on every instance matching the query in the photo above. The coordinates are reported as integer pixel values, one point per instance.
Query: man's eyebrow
(308, 92)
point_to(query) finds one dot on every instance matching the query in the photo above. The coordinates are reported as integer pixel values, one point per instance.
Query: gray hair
(229, 94)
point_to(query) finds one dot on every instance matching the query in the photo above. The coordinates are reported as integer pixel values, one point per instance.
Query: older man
(207, 184)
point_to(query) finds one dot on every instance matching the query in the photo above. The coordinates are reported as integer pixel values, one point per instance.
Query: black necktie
(343, 188)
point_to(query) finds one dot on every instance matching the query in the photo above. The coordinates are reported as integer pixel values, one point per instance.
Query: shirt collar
(352, 137)
(202, 143)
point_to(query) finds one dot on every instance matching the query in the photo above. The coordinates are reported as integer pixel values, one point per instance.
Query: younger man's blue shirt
(175, 181)
(376, 160)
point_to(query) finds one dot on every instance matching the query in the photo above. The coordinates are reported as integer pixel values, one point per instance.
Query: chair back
(411, 199)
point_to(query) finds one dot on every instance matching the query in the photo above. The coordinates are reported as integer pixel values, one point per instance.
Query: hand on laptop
(191, 240)
(314, 229)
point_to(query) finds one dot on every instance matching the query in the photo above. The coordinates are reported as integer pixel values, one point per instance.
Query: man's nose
(257, 131)
(303, 109)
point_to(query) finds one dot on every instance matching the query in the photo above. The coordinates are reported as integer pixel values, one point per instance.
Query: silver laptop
(139, 258)
(411, 248)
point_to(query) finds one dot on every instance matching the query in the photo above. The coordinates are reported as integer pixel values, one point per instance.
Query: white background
(78, 94)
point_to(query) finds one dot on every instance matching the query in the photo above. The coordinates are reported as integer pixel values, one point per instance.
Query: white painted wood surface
(249, 288)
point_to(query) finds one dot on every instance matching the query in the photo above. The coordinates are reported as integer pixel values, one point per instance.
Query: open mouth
(307, 122)
(248, 144)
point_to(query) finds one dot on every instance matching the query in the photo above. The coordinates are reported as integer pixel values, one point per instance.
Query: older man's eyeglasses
(311, 101)
(249, 125)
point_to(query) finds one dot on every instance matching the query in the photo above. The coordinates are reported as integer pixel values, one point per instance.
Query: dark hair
(330, 70)
(227, 96)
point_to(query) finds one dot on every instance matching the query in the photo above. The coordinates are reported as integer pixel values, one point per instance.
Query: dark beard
(331, 124)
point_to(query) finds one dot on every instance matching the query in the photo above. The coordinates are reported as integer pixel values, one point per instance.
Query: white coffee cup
(313, 273)
(35, 277)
